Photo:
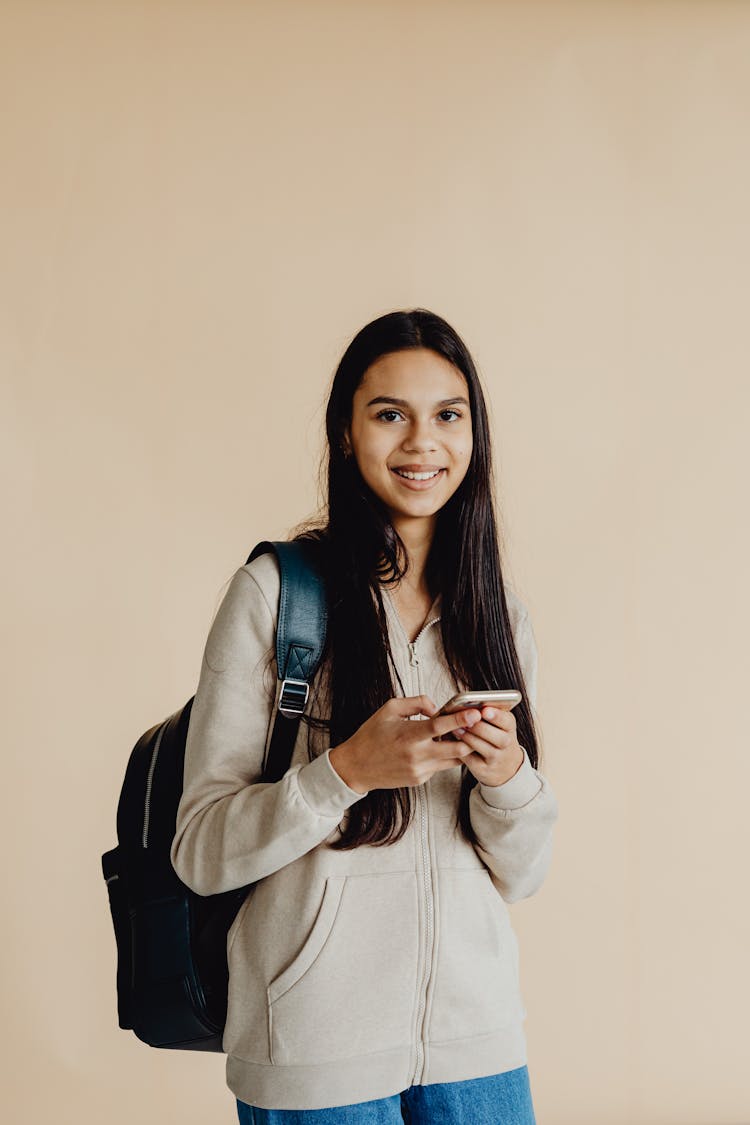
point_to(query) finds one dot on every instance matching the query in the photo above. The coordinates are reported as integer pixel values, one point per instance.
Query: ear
(346, 445)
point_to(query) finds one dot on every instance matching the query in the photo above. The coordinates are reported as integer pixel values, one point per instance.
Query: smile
(418, 480)
(417, 476)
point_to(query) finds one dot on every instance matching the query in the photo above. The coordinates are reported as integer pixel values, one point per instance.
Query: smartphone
(466, 699)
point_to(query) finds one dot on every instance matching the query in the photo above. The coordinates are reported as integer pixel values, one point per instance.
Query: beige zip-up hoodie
(353, 974)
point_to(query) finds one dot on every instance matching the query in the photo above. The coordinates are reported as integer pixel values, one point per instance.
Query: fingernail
(489, 713)
(473, 717)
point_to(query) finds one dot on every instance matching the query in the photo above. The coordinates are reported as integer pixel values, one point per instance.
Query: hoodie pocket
(350, 990)
(476, 988)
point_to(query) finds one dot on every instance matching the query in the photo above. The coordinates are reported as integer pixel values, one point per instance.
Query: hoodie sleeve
(233, 829)
(513, 822)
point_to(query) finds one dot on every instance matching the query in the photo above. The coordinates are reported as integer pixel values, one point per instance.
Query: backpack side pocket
(118, 905)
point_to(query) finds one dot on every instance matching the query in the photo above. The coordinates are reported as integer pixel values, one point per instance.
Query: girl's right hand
(389, 752)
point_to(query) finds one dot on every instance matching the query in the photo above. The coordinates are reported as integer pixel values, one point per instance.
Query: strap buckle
(293, 697)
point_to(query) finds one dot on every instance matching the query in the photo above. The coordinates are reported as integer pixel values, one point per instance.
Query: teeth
(417, 476)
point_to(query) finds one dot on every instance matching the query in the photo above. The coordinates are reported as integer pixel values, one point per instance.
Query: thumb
(410, 706)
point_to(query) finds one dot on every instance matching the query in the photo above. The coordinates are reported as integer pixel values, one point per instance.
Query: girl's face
(411, 433)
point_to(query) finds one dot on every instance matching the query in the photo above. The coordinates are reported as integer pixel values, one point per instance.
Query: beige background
(201, 204)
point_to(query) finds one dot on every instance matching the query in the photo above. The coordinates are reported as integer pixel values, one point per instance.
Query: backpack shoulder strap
(300, 639)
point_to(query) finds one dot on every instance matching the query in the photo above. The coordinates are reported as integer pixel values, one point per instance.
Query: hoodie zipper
(426, 869)
(429, 950)
(427, 888)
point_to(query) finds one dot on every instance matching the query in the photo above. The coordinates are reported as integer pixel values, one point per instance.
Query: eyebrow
(403, 401)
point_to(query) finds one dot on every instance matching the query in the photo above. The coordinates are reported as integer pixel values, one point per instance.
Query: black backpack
(172, 973)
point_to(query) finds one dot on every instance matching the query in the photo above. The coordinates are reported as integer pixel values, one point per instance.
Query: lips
(417, 467)
(419, 478)
(418, 472)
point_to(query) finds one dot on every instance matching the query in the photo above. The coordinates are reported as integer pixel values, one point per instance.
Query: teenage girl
(374, 971)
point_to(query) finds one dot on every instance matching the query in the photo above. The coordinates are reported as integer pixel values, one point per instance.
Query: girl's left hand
(497, 755)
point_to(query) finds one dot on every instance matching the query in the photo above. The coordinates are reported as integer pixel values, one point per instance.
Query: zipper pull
(413, 658)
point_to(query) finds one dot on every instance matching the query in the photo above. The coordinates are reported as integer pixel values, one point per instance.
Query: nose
(419, 438)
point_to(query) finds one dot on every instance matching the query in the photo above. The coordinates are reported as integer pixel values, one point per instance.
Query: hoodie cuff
(323, 789)
(516, 791)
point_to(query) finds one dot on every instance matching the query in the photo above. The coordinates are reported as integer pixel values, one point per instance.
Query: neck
(417, 536)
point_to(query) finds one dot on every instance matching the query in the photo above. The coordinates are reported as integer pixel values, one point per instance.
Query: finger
(476, 745)
(444, 724)
(487, 733)
(409, 705)
(489, 748)
(500, 718)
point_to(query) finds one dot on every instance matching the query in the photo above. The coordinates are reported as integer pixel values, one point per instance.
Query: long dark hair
(359, 549)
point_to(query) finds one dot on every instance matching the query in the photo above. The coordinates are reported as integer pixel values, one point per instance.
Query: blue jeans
(499, 1099)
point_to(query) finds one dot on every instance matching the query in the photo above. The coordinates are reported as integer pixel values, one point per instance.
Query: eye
(382, 413)
(450, 410)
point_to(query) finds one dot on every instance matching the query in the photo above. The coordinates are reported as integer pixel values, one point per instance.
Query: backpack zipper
(149, 782)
